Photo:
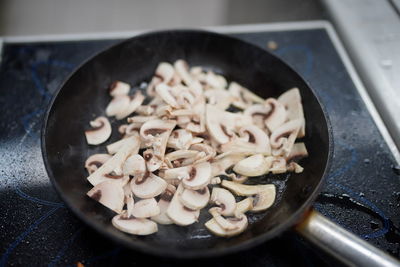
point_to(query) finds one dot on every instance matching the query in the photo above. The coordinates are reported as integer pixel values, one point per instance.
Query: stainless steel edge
(342, 244)
(370, 30)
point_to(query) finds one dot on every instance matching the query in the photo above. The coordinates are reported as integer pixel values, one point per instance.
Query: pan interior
(84, 96)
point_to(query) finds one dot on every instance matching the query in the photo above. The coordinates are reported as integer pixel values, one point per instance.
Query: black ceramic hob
(362, 192)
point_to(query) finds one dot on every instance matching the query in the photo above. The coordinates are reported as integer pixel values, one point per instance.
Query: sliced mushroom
(258, 113)
(193, 177)
(141, 119)
(134, 165)
(237, 178)
(252, 166)
(114, 147)
(264, 195)
(244, 95)
(224, 223)
(276, 115)
(282, 139)
(218, 125)
(221, 164)
(118, 105)
(135, 101)
(148, 186)
(119, 88)
(130, 203)
(131, 146)
(208, 152)
(145, 208)
(133, 225)
(278, 164)
(224, 199)
(164, 91)
(93, 162)
(180, 214)
(220, 98)
(215, 81)
(182, 68)
(297, 152)
(215, 180)
(163, 204)
(291, 100)
(240, 224)
(100, 132)
(195, 199)
(165, 72)
(109, 194)
(244, 206)
(180, 158)
(254, 140)
(180, 139)
(294, 167)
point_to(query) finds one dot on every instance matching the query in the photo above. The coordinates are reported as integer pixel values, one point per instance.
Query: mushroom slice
(278, 164)
(164, 91)
(182, 69)
(93, 162)
(209, 152)
(224, 223)
(220, 98)
(182, 157)
(141, 119)
(276, 116)
(291, 100)
(244, 206)
(215, 81)
(264, 195)
(254, 140)
(163, 204)
(145, 208)
(165, 72)
(110, 194)
(238, 178)
(199, 176)
(131, 146)
(218, 124)
(114, 147)
(220, 165)
(135, 226)
(195, 199)
(148, 186)
(118, 105)
(244, 95)
(180, 214)
(294, 167)
(150, 90)
(134, 165)
(215, 180)
(298, 152)
(224, 199)
(258, 113)
(180, 139)
(135, 101)
(100, 132)
(240, 224)
(252, 166)
(119, 88)
(130, 203)
(282, 139)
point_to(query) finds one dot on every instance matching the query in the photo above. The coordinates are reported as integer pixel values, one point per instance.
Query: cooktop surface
(361, 192)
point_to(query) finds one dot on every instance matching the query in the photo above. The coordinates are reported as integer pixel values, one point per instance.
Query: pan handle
(342, 244)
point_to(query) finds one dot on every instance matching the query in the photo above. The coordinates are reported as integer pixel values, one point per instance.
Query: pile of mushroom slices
(179, 145)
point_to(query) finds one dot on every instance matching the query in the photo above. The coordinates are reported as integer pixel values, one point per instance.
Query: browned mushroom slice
(254, 165)
(254, 140)
(119, 88)
(135, 226)
(264, 195)
(94, 162)
(291, 100)
(282, 139)
(180, 139)
(163, 204)
(110, 194)
(224, 199)
(118, 105)
(180, 214)
(145, 208)
(240, 225)
(135, 101)
(131, 146)
(195, 199)
(100, 132)
(148, 186)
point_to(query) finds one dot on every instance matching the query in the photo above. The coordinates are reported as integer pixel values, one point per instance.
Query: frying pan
(84, 96)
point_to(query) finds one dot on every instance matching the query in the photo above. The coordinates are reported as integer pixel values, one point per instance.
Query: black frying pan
(84, 96)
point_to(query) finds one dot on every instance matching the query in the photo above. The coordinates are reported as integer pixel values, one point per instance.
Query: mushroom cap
(118, 105)
(94, 161)
(241, 224)
(119, 88)
(291, 100)
(145, 208)
(134, 165)
(148, 186)
(133, 225)
(180, 214)
(195, 199)
(198, 177)
(131, 146)
(252, 166)
(100, 132)
(110, 194)
(224, 199)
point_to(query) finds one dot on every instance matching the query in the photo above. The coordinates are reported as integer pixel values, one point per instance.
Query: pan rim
(292, 220)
